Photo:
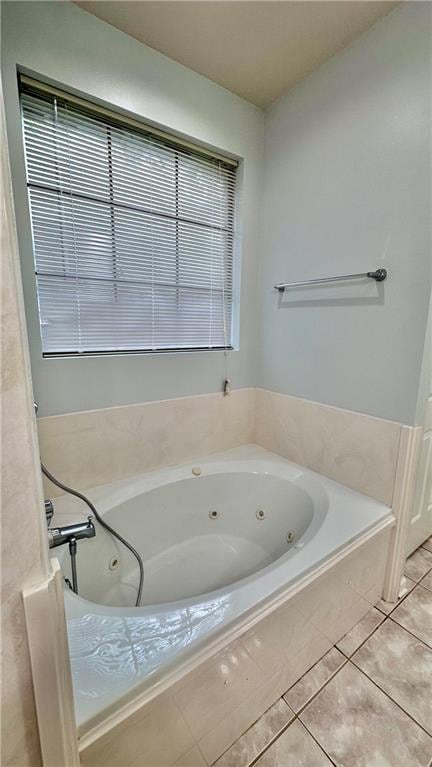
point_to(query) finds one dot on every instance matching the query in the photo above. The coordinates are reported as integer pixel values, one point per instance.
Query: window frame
(176, 143)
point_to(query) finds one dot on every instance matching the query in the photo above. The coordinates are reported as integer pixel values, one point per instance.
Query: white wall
(347, 189)
(66, 45)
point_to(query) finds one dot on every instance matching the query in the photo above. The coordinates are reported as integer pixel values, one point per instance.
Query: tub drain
(213, 514)
(113, 563)
(260, 514)
(290, 536)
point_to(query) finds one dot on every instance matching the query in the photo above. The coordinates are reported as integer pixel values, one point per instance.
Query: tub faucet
(70, 534)
(57, 536)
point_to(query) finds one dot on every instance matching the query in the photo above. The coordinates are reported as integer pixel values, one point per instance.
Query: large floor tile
(357, 725)
(426, 582)
(300, 693)
(294, 748)
(193, 758)
(418, 564)
(427, 544)
(415, 614)
(258, 737)
(402, 666)
(364, 628)
(406, 586)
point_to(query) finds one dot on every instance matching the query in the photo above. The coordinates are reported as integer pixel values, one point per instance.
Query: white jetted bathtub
(218, 538)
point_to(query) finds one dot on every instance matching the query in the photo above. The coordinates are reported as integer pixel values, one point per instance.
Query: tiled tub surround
(370, 705)
(241, 676)
(209, 706)
(201, 703)
(99, 446)
(354, 449)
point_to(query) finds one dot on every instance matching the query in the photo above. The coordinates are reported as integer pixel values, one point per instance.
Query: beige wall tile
(217, 687)
(24, 556)
(337, 600)
(235, 723)
(156, 735)
(94, 447)
(98, 446)
(351, 448)
(20, 737)
(287, 640)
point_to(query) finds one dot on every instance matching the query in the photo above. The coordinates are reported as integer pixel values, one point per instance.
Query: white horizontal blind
(133, 234)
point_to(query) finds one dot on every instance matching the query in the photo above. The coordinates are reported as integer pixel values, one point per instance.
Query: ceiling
(255, 49)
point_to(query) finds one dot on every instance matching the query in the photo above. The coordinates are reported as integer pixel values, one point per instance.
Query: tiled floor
(367, 702)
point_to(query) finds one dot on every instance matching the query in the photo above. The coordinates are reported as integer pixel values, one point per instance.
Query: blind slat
(133, 235)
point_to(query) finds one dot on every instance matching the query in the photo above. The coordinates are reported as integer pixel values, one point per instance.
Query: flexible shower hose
(104, 524)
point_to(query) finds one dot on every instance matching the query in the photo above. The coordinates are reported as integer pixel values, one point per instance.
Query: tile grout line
(290, 723)
(424, 574)
(392, 700)
(347, 659)
(307, 672)
(318, 743)
(253, 725)
(402, 599)
(399, 601)
(312, 698)
(200, 753)
(271, 743)
(295, 714)
(317, 692)
(414, 636)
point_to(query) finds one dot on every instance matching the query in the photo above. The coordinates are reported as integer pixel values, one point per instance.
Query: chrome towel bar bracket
(378, 275)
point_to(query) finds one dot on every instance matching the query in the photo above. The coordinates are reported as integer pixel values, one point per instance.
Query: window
(133, 232)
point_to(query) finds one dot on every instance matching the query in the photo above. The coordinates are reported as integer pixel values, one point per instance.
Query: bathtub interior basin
(196, 535)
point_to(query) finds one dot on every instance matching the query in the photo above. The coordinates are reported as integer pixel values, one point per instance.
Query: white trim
(121, 118)
(403, 496)
(52, 679)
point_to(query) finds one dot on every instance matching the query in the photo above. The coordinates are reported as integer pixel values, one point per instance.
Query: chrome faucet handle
(57, 536)
(49, 511)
